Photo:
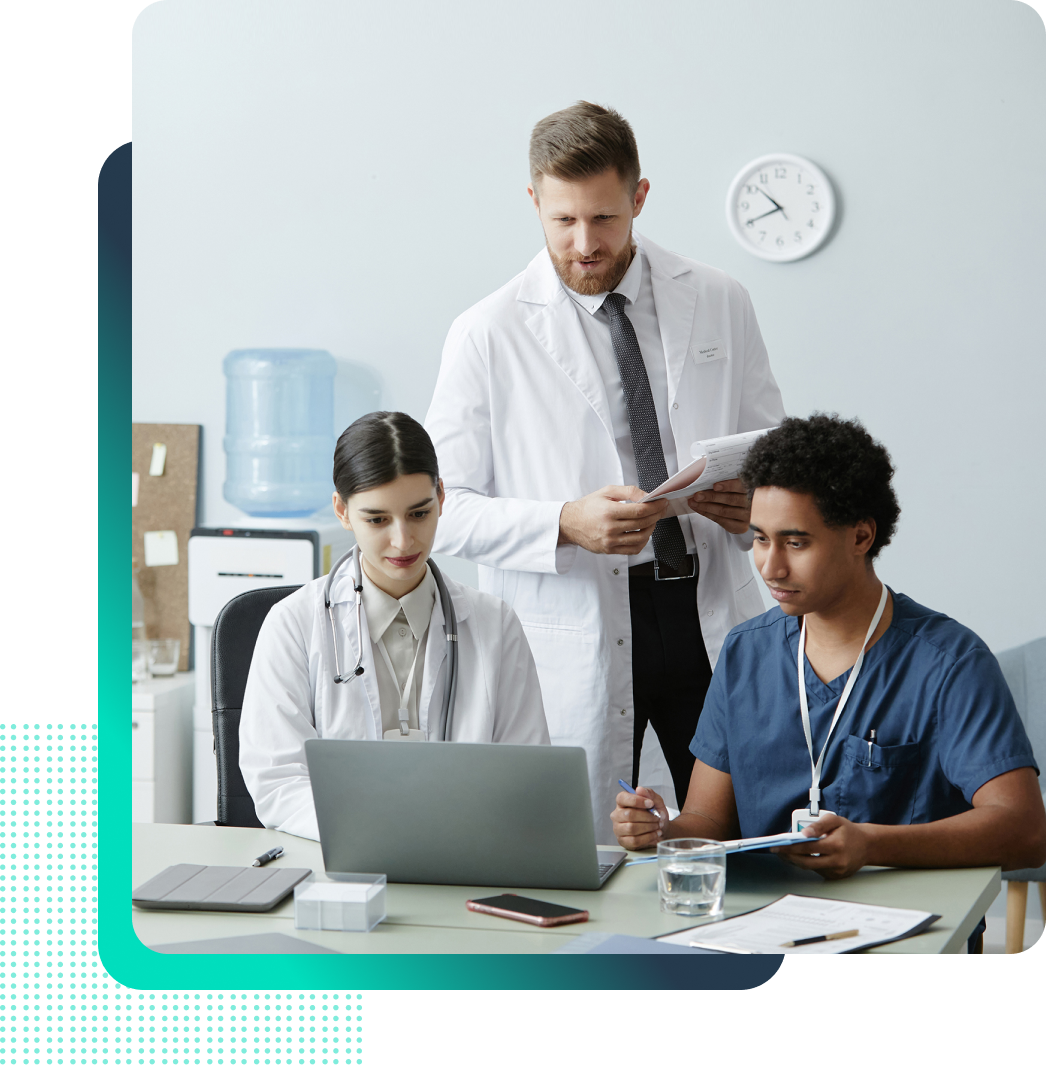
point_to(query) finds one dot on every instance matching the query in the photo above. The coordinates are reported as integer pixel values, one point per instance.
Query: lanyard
(404, 713)
(804, 710)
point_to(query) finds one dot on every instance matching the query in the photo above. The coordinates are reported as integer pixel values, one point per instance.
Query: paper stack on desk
(794, 917)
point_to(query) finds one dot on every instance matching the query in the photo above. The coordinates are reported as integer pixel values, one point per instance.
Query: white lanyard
(804, 710)
(404, 713)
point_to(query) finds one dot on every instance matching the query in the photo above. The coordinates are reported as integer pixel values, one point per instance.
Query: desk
(431, 918)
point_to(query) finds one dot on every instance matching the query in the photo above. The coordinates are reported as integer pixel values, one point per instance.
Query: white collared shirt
(638, 291)
(401, 625)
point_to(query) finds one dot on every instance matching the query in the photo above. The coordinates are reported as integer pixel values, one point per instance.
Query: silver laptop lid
(489, 814)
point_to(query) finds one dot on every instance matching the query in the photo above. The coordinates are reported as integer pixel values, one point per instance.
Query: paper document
(793, 917)
(715, 460)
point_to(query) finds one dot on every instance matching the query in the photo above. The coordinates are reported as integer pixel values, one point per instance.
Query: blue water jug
(279, 430)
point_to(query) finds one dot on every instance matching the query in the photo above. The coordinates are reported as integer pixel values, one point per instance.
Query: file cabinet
(161, 749)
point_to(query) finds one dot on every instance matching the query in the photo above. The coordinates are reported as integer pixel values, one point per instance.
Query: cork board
(165, 503)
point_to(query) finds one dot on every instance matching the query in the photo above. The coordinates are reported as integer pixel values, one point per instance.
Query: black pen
(264, 859)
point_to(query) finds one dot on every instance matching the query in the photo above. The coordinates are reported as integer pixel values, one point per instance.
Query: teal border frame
(122, 953)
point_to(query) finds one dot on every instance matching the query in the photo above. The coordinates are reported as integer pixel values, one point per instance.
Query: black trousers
(670, 671)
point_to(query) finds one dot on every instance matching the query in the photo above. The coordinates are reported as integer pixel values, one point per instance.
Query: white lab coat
(521, 425)
(291, 695)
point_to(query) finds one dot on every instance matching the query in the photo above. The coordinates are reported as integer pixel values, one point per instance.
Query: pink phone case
(528, 918)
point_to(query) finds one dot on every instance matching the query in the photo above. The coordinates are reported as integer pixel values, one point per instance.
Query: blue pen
(632, 791)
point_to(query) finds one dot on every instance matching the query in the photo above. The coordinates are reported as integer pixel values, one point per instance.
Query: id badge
(414, 734)
(802, 818)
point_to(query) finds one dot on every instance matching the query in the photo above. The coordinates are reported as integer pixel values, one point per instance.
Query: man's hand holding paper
(710, 485)
(615, 520)
(727, 505)
(839, 852)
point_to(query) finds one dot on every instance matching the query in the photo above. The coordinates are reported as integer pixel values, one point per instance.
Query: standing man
(562, 398)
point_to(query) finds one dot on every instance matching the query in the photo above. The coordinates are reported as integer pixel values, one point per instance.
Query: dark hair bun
(378, 448)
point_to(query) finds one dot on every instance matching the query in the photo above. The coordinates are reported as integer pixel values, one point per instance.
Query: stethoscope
(450, 627)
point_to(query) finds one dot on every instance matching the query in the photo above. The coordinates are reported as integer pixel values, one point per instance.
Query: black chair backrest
(232, 648)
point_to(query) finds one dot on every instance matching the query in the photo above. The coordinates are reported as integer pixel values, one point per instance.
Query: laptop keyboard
(604, 869)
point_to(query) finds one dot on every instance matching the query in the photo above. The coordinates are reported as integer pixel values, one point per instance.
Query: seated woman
(388, 493)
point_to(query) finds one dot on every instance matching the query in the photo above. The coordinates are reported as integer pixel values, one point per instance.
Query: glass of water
(163, 657)
(691, 877)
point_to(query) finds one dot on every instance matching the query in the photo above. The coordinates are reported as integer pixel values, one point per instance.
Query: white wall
(351, 177)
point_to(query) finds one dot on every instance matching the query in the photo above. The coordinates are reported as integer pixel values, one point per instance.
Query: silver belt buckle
(682, 577)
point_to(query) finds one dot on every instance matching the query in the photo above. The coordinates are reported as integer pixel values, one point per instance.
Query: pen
(268, 856)
(632, 791)
(822, 939)
(871, 740)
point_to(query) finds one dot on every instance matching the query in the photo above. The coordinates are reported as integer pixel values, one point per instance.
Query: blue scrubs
(944, 718)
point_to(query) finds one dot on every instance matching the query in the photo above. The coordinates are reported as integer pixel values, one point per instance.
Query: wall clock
(780, 207)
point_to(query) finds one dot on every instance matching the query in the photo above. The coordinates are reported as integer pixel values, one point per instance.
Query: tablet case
(237, 888)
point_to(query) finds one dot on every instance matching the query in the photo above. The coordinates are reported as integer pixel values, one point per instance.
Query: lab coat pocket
(570, 675)
(879, 785)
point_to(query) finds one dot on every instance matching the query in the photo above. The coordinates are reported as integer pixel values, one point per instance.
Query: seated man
(921, 760)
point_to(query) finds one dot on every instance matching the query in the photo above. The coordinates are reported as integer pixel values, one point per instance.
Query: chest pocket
(879, 787)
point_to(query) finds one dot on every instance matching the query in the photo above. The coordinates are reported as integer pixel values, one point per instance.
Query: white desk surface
(430, 918)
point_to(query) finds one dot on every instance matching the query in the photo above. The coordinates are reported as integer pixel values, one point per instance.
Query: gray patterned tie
(669, 545)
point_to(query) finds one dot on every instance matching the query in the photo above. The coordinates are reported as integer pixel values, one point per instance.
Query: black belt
(660, 572)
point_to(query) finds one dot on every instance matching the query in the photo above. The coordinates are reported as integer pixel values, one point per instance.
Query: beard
(586, 284)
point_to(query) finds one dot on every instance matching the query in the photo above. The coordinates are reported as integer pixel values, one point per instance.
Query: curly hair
(838, 463)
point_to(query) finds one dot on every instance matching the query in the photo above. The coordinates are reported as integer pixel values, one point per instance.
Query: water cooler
(279, 443)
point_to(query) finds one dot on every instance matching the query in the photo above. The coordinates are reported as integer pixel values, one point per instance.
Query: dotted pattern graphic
(57, 1003)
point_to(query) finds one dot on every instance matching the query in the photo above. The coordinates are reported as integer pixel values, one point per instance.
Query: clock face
(780, 207)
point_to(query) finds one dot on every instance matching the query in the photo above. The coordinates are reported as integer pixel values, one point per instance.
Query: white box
(356, 905)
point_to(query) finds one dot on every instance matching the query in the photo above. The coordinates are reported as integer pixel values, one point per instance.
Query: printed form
(719, 459)
(793, 917)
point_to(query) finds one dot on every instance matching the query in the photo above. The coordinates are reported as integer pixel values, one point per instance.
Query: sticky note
(134, 489)
(161, 548)
(157, 462)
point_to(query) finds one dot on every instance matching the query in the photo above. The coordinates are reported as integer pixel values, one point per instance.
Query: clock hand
(751, 221)
(775, 203)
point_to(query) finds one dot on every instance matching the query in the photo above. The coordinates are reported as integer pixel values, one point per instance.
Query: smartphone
(533, 911)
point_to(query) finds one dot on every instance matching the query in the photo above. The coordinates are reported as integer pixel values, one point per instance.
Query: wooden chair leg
(1016, 907)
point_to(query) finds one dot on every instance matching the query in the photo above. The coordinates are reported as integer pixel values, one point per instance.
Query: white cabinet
(161, 749)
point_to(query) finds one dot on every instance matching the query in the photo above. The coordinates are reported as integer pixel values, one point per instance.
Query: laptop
(485, 814)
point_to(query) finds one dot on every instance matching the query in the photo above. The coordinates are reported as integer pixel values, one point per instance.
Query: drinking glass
(691, 877)
(163, 657)
(139, 660)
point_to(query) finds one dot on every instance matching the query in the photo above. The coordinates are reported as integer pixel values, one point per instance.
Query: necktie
(669, 545)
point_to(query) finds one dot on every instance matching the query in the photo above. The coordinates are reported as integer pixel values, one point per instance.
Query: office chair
(232, 648)
(1024, 668)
